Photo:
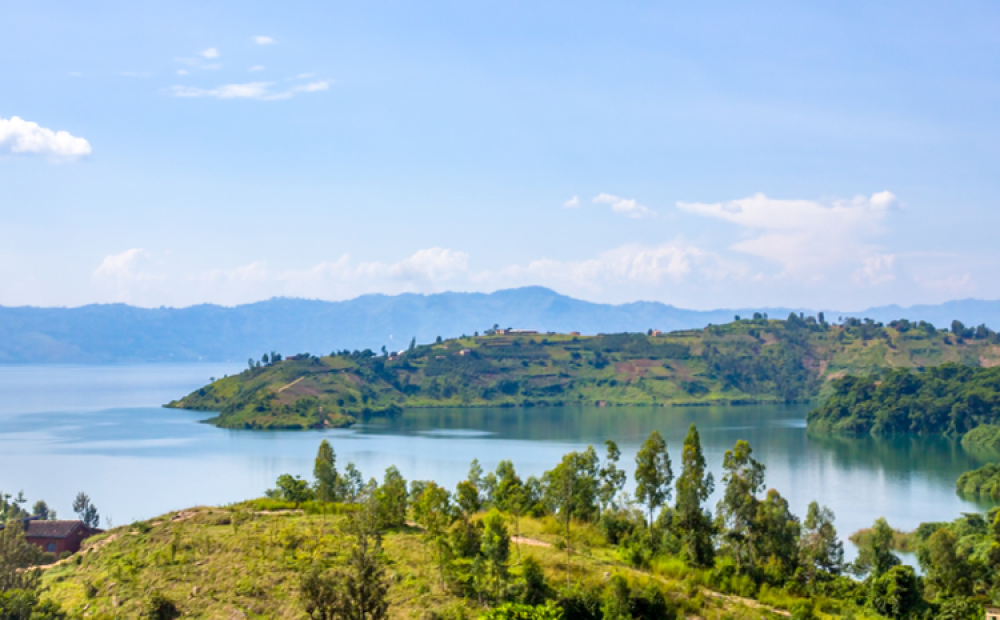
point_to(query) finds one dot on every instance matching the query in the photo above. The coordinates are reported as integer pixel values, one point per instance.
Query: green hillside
(748, 360)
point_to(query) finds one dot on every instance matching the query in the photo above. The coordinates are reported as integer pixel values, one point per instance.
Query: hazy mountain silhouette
(122, 333)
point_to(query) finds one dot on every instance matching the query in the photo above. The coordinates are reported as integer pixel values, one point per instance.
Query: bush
(159, 607)
(517, 611)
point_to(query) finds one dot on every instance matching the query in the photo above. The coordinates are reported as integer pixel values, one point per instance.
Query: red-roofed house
(57, 536)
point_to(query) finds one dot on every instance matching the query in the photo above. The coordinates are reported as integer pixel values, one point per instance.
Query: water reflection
(137, 459)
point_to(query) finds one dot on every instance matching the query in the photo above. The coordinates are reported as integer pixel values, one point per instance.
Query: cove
(100, 429)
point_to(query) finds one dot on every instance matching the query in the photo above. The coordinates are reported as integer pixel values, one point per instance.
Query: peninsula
(754, 359)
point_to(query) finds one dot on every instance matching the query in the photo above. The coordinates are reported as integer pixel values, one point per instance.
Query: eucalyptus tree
(611, 477)
(737, 509)
(691, 520)
(653, 474)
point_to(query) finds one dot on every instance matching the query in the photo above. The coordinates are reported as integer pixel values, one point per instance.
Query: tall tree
(496, 551)
(653, 475)
(875, 555)
(820, 550)
(432, 509)
(691, 520)
(86, 510)
(325, 473)
(737, 509)
(509, 496)
(776, 536)
(948, 572)
(16, 555)
(612, 478)
(391, 498)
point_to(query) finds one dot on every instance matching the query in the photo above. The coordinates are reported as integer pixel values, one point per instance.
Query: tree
(509, 495)
(469, 491)
(351, 484)
(776, 536)
(325, 474)
(896, 593)
(495, 550)
(16, 555)
(737, 509)
(413, 343)
(617, 599)
(265, 359)
(86, 511)
(432, 510)
(612, 478)
(571, 486)
(42, 510)
(947, 572)
(820, 550)
(289, 488)
(875, 555)
(653, 475)
(391, 499)
(358, 591)
(535, 589)
(691, 520)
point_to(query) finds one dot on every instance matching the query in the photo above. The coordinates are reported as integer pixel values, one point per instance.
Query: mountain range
(119, 333)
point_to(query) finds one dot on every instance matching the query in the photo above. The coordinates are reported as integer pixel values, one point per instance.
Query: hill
(117, 333)
(744, 361)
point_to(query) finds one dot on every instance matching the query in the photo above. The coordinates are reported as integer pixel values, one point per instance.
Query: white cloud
(21, 137)
(876, 269)
(262, 40)
(572, 203)
(210, 53)
(121, 267)
(250, 90)
(806, 237)
(257, 68)
(75, 74)
(182, 72)
(624, 206)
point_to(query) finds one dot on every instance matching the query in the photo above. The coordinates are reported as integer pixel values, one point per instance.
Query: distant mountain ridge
(118, 333)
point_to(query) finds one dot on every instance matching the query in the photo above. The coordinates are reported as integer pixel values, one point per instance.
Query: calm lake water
(64, 429)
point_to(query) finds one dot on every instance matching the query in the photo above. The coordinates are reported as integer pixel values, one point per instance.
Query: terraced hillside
(748, 360)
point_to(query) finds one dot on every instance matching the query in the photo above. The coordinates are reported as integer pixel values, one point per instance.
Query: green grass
(242, 561)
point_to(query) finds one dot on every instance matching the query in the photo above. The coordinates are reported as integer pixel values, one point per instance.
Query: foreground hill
(121, 333)
(743, 361)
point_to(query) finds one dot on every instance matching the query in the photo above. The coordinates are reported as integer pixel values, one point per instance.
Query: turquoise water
(65, 429)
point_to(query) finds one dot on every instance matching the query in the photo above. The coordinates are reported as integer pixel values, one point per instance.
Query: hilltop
(116, 333)
(749, 360)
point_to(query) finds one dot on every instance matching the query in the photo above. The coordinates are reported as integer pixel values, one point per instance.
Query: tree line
(950, 399)
(749, 543)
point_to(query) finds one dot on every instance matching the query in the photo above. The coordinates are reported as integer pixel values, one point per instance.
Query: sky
(839, 155)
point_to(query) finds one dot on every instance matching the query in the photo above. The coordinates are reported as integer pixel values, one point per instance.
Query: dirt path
(530, 542)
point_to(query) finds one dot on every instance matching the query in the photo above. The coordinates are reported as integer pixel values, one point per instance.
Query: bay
(101, 429)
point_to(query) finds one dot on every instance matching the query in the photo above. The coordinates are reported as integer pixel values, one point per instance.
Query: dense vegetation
(949, 399)
(755, 359)
(984, 439)
(568, 545)
(982, 483)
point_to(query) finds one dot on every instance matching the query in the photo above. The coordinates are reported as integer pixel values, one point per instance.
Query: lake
(101, 429)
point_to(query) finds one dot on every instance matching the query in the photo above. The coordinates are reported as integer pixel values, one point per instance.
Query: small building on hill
(57, 536)
(993, 613)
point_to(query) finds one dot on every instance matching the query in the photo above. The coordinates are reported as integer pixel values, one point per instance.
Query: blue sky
(725, 154)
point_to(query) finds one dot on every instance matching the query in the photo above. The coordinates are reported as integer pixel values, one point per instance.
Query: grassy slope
(233, 563)
(739, 362)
